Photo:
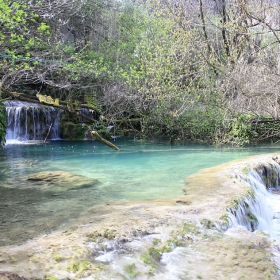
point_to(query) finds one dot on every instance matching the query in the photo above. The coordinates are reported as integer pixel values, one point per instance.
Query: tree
(47, 45)
(238, 42)
(198, 70)
(167, 83)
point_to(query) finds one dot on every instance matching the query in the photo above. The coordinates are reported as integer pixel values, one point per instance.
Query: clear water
(141, 170)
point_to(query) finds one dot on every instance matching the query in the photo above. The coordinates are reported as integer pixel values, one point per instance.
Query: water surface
(141, 170)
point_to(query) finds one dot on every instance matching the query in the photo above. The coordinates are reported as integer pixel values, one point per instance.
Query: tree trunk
(101, 139)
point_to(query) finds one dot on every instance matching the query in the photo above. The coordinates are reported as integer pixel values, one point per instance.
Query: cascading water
(31, 121)
(260, 210)
(86, 112)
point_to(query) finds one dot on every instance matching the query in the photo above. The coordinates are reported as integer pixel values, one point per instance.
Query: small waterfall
(260, 209)
(31, 121)
(88, 113)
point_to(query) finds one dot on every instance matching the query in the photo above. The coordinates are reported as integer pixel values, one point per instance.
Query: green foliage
(17, 21)
(241, 129)
(71, 130)
(119, 52)
(238, 131)
(102, 130)
(154, 61)
(177, 90)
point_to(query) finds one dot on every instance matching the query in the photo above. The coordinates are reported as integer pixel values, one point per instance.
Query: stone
(59, 180)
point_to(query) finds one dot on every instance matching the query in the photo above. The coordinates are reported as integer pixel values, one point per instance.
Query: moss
(99, 236)
(183, 235)
(246, 170)
(49, 277)
(151, 271)
(233, 204)
(252, 217)
(207, 224)
(58, 258)
(79, 267)
(189, 228)
(73, 266)
(156, 241)
(249, 192)
(109, 234)
(130, 270)
(153, 256)
(176, 242)
(164, 249)
(154, 253)
(147, 259)
(93, 236)
(224, 221)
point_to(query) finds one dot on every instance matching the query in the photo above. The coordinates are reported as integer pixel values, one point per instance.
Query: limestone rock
(59, 180)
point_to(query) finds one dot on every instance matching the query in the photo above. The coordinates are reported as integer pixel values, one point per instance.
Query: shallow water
(140, 170)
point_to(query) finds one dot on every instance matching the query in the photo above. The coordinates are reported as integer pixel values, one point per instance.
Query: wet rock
(59, 180)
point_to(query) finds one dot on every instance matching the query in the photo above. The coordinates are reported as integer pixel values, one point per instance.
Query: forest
(204, 71)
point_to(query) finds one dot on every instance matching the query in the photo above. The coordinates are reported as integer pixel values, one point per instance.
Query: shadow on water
(139, 171)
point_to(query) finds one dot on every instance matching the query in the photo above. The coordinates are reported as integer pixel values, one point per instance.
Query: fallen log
(101, 139)
(48, 100)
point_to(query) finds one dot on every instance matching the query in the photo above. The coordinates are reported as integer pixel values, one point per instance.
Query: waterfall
(88, 113)
(31, 121)
(260, 209)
